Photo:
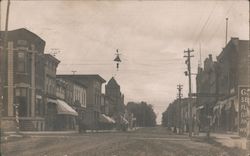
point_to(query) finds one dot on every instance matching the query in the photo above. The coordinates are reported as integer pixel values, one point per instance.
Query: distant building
(113, 91)
(24, 81)
(93, 100)
(207, 91)
(176, 117)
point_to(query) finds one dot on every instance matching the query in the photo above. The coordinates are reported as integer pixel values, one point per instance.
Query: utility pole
(3, 51)
(226, 30)
(248, 109)
(188, 73)
(179, 88)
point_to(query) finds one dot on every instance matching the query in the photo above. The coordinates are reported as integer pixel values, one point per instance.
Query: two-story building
(65, 115)
(93, 97)
(76, 97)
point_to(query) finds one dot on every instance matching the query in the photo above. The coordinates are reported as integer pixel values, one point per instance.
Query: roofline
(83, 76)
(12, 31)
(72, 80)
(52, 57)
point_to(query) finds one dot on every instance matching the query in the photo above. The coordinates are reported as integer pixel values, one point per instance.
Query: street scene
(124, 78)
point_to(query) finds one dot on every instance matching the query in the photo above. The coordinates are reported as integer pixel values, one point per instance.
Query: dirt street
(142, 142)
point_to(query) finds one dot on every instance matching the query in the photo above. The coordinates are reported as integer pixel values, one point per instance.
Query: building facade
(207, 91)
(113, 91)
(50, 92)
(218, 85)
(232, 73)
(76, 97)
(23, 93)
(93, 97)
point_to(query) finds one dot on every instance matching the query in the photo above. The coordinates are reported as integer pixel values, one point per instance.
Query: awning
(200, 107)
(52, 100)
(38, 96)
(64, 108)
(217, 107)
(228, 106)
(106, 119)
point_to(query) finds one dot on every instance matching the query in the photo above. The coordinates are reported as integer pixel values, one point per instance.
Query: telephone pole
(188, 73)
(226, 30)
(179, 95)
(3, 51)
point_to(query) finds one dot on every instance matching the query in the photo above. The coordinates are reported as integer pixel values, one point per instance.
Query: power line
(205, 24)
(219, 26)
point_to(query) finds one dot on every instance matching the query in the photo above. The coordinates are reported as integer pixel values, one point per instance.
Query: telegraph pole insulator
(117, 59)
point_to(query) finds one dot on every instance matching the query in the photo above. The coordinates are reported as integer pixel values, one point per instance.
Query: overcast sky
(151, 36)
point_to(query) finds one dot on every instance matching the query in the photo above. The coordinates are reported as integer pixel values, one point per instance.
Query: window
(21, 59)
(18, 92)
(23, 92)
(22, 42)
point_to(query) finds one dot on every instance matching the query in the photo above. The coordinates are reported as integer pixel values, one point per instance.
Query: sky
(150, 35)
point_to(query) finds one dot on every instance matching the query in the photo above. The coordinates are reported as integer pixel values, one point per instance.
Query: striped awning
(106, 119)
(64, 108)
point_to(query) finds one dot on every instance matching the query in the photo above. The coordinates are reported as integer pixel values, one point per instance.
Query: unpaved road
(143, 142)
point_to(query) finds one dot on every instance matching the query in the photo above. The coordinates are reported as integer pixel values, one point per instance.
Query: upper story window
(21, 92)
(22, 42)
(21, 62)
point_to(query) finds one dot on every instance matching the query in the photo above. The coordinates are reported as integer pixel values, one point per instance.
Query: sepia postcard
(124, 78)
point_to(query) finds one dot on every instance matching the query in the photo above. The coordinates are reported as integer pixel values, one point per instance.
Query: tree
(143, 112)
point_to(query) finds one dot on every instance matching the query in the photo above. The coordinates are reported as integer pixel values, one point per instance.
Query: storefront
(61, 116)
(225, 115)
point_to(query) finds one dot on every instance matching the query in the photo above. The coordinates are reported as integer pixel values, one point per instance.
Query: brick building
(93, 97)
(206, 88)
(75, 97)
(50, 98)
(113, 91)
(218, 85)
(24, 81)
(232, 73)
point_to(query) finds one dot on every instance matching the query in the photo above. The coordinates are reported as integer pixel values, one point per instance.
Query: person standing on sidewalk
(196, 125)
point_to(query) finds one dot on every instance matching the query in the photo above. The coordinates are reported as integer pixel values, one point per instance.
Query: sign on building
(244, 94)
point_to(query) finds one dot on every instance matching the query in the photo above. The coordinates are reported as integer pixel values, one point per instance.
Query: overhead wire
(205, 24)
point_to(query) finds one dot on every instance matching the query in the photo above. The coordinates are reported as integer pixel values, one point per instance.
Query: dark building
(232, 72)
(65, 115)
(50, 99)
(93, 97)
(206, 86)
(75, 97)
(176, 117)
(24, 81)
(217, 86)
(113, 91)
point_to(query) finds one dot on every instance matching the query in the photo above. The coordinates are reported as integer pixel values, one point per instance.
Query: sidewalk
(231, 140)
